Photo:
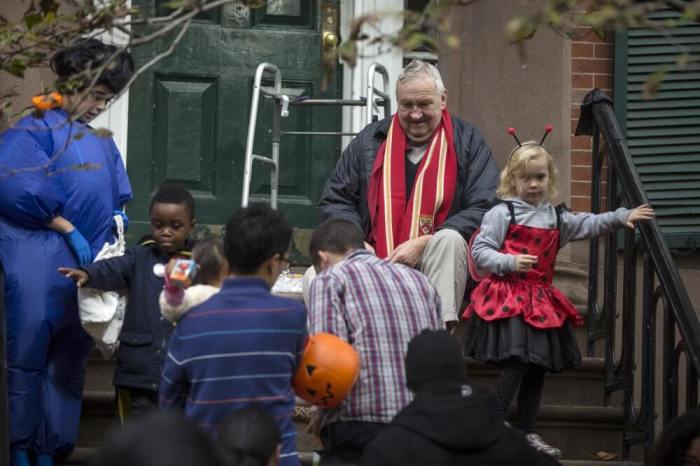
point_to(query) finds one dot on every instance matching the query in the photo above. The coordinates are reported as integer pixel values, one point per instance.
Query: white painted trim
(355, 79)
(116, 117)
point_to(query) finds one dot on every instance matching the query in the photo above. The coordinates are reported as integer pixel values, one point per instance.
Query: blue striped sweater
(238, 348)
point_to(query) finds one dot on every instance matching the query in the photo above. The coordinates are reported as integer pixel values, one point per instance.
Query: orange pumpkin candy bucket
(327, 372)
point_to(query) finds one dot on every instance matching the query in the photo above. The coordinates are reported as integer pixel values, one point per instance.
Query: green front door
(189, 114)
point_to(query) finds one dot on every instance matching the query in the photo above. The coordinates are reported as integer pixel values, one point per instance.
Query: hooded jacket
(145, 333)
(345, 194)
(449, 424)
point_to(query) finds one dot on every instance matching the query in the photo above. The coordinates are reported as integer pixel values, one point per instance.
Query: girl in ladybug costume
(517, 319)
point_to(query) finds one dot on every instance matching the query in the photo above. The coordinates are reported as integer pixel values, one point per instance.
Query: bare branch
(678, 5)
(178, 21)
(158, 57)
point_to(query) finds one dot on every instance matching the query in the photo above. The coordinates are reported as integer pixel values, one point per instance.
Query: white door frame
(116, 117)
(355, 79)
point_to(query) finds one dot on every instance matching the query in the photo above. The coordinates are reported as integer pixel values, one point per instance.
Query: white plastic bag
(102, 312)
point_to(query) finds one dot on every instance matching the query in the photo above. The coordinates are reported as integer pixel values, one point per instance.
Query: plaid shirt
(378, 307)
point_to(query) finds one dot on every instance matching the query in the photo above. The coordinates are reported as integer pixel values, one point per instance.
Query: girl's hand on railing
(643, 212)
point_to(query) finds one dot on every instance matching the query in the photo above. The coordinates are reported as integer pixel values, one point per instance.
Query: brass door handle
(329, 40)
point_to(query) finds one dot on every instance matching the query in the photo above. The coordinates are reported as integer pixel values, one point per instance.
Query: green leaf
(416, 39)
(691, 14)
(653, 82)
(520, 28)
(599, 31)
(16, 68)
(48, 6)
(102, 132)
(347, 51)
(31, 19)
(683, 59)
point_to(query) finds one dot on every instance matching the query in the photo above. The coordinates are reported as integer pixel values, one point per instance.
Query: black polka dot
(489, 312)
(546, 254)
(486, 298)
(538, 240)
(505, 309)
(524, 250)
(519, 299)
(542, 318)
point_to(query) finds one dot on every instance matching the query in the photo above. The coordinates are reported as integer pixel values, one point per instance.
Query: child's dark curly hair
(676, 438)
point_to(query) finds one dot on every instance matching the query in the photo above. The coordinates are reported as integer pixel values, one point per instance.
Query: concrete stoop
(572, 416)
(98, 419)
(600, 463)
(581, 431)
(580, 386)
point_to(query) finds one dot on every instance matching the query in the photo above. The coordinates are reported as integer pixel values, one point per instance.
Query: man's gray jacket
(345, 194)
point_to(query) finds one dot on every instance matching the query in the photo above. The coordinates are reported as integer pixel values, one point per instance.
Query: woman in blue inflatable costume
(60, 185)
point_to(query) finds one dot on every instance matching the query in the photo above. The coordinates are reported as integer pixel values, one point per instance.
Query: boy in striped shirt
(243, 345)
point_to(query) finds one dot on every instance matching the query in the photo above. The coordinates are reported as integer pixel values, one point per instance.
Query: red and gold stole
(394, 219)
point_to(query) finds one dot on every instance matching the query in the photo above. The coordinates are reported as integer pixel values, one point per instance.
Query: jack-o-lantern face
(328, 369)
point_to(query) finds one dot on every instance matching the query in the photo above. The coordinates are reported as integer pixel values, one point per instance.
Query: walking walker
(375, 99)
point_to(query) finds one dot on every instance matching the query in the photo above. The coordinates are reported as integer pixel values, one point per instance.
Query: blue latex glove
(125, 219)
(79, 246)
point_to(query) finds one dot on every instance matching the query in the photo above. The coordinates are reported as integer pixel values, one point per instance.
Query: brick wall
(591, 67)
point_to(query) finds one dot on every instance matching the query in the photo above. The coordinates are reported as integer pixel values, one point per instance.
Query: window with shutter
(663, 132)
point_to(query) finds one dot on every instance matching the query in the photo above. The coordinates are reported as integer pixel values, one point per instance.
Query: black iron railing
(635, 370)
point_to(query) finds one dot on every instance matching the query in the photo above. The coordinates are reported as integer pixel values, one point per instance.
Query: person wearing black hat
(450, 421)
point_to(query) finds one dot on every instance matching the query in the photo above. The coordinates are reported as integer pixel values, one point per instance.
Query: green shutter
(663, 133)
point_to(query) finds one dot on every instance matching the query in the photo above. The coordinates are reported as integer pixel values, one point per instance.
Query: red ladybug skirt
(521, 316)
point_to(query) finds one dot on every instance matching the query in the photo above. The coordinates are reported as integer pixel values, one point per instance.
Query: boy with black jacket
(450, 421)
(145, 333)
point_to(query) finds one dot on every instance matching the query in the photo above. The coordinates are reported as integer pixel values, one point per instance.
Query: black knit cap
(434, 356)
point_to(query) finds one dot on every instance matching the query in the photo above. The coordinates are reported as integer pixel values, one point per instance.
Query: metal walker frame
(375, 99)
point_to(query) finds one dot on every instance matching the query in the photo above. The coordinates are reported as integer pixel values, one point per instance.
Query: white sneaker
(540, 445)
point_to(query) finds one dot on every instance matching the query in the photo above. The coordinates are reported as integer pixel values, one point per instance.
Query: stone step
(572, 416)
(580, 431)
(82, 456)
(100, 372)
(599, 463)
(98, 418)
(582, 386)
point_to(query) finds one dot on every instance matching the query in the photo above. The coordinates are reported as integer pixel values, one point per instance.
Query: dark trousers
(344, 442)
(132, 402)
(528, 380)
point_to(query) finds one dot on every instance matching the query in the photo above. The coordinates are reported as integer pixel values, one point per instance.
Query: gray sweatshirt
(573, 227)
